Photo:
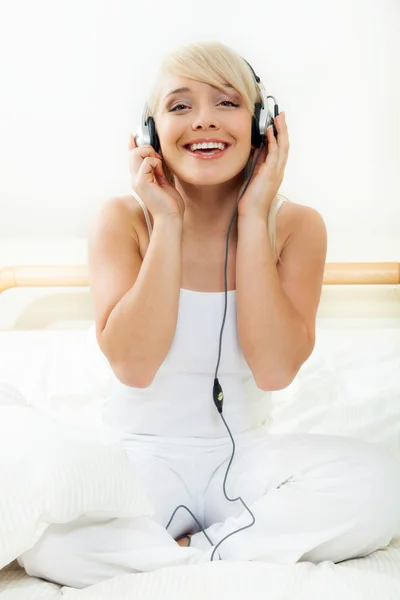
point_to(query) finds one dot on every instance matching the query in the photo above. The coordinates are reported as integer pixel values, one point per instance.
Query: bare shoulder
(124, 205)
(118, 213)
(292, 213)
(293, 218)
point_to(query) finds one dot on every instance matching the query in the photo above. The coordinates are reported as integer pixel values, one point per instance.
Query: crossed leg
(89, 550)
(314, 498)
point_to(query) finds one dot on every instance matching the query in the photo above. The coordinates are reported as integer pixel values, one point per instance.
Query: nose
(205, 118)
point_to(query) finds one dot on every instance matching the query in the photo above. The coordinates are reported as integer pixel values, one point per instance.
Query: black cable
(218, 393)
(197, 521)
(232, 499)
(226, 258)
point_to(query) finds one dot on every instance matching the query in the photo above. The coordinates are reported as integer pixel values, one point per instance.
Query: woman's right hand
(150, 183)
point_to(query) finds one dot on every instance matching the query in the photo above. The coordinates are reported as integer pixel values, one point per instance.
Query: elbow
(132, 377)
(273, 382)
(129, 374)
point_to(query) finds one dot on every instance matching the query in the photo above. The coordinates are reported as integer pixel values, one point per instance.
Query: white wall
(75, 75)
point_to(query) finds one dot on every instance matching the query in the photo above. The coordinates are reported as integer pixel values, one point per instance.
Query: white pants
(314, 498)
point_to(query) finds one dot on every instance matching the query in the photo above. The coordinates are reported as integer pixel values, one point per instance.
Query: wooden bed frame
(357, 273)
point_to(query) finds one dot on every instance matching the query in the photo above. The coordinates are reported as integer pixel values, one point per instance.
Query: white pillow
(51, 472)
(74, 379)
(349, 386)
(63, 373)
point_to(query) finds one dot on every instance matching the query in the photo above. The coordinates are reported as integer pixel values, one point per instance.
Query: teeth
(204, 145)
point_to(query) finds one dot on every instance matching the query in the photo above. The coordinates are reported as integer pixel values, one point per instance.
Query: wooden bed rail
(43, 276)
(356, 273)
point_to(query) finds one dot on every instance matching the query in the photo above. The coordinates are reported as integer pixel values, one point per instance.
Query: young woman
(157, 278)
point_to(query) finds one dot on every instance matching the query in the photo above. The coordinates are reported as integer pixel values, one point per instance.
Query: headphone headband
(256, 77)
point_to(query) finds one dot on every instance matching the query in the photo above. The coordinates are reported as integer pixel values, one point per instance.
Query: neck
(209, 208)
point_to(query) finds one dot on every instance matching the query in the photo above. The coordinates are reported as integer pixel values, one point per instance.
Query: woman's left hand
(268, 174)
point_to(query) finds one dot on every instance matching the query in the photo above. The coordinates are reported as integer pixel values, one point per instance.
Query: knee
(40, 561)
(370, 508)
(52, 559)
(381, 506)
(389, 479)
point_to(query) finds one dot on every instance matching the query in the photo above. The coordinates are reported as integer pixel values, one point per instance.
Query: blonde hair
(215, 64)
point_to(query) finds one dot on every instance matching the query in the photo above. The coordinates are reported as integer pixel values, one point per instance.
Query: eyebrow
(186, 89)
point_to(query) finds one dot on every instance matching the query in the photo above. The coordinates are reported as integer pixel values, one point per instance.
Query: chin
(216, 179)
(208, 176)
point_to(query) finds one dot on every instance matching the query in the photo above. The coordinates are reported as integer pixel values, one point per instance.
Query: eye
(230, 102)
(174, 108)
(181, 106)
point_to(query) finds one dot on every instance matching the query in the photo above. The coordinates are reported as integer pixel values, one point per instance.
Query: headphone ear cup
(256, 138)
(154, 140)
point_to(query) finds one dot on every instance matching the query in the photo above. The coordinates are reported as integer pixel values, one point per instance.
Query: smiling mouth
(207, 153)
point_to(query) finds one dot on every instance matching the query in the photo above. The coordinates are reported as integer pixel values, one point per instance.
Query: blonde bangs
(211, 63)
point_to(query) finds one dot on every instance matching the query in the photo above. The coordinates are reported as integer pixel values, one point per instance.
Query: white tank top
(179, 401)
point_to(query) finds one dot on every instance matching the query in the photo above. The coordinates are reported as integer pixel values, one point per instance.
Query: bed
(51, 368)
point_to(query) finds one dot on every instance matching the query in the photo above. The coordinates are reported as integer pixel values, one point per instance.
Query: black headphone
(261, 120)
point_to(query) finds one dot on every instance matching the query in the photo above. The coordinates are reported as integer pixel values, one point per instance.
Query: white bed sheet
(369, 578)
(15, 584)
(350, 385)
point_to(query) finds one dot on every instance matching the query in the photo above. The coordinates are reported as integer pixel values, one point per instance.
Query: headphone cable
(218, 393)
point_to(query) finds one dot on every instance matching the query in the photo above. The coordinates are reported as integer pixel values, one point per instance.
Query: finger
(137, 155)
(132, 142)
(257, 163)
(148, 164)
(144, 151)
(279, 120)
(151, 169)
(132, 145)
(281, 127)
(262, 157)
(159, 174)
(272, 144)
(283, 137)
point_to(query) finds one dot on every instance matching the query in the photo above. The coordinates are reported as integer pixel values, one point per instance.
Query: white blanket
(350, 386)
(256, 581)
(369, 578)
(51, 472)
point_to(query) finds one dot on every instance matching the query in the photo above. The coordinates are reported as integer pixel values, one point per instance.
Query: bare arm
(277, 306)
(135, 301)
